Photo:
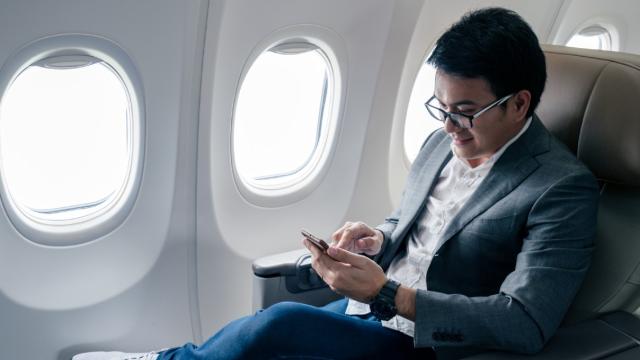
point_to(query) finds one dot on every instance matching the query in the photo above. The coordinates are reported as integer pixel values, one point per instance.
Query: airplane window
(592, 37)
(281, 119)
(65, 139)
(418, 124)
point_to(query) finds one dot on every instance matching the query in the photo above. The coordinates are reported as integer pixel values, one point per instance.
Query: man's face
(490, 130)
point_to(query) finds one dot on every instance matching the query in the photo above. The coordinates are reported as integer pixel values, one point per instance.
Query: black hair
(497, 45)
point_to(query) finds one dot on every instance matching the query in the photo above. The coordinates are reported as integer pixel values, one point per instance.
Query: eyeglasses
(460, 120)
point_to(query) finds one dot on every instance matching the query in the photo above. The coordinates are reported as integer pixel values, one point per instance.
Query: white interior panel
(232, 231)
(619, 16)
(177, 266)
(130, 288)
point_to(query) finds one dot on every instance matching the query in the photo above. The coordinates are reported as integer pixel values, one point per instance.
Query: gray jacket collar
(515, 165)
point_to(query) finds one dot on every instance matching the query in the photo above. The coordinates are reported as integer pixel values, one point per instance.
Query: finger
(319, 267)
(353, 233)
(368, 245)
(346, 238)
(321, 263)
(315, 252)
(347, 257)
(335, 237)
(336, 234)
(365, 243)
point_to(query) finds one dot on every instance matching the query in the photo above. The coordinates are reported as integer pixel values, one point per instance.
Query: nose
(450, 126)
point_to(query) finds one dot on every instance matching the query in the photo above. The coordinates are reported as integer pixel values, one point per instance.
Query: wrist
(406, 302)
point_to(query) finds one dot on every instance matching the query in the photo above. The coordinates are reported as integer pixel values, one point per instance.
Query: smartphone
(319, 243)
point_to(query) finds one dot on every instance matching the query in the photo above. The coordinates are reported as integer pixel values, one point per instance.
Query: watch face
(382, 309)
(384, 304)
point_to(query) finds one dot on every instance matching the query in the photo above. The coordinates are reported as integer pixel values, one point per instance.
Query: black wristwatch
(383, 305)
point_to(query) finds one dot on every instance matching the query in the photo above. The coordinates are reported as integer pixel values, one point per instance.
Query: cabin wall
(233, 229)
(133, 288)
(178, 266)
(615, 16)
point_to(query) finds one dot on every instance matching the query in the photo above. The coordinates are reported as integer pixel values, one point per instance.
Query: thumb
(367, 245)
(345, 256)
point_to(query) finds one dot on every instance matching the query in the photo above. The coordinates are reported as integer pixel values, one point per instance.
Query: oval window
(66, 140)
(592, 37)
(282, 121)
(418, 124)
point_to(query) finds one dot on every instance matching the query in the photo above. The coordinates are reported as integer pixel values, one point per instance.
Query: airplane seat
(589, 103)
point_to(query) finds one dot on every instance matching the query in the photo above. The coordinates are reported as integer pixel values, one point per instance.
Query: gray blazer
(513, 258)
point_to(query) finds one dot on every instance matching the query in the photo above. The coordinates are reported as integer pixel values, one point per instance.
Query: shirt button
(470, 180)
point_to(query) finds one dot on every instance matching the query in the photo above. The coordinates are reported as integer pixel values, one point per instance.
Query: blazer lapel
(418, 191)
(515, 165)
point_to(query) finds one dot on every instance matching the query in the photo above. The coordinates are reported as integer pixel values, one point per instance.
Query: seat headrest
(589, 103)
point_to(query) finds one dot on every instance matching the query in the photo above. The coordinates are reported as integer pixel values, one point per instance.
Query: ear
(519, 104)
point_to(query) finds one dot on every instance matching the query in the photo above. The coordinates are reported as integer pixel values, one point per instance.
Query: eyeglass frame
(453, 116)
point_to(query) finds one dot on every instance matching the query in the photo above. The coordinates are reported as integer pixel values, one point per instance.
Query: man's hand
(358, 237)
(348, 274)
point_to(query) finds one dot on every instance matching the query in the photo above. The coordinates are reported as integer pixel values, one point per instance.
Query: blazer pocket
(493, 240)
(494, 228)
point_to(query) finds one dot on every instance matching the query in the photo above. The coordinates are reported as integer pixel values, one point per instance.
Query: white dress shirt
(457, 182)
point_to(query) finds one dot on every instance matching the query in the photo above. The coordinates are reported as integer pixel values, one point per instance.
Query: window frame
(331, 48)
(593, 24)
(104, 220)
(407, 160)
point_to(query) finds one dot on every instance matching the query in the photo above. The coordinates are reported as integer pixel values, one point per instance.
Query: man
(490, 243)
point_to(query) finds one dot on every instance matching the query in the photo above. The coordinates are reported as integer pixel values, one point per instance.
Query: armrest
(288, 276)
(294, 266)
(282, 264)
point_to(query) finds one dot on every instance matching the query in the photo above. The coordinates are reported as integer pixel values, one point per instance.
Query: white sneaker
(115, 355)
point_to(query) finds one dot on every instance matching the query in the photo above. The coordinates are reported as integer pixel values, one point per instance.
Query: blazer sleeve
(390, 223)
(553, 260)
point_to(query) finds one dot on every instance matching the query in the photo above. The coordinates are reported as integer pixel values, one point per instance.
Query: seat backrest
(592, 103)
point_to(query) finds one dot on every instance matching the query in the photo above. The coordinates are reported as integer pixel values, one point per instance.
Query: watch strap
(389, 290)
(383, 305)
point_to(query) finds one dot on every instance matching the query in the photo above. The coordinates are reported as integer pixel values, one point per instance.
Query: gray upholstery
(590, 104)
(594, 339)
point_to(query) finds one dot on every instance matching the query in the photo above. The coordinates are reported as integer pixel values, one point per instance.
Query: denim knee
(269, 328)
(281, 314)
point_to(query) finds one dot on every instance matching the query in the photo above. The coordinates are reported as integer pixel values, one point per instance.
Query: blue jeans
(297, 331)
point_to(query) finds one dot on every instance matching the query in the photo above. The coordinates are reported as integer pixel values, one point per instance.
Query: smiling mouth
(458, 141)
